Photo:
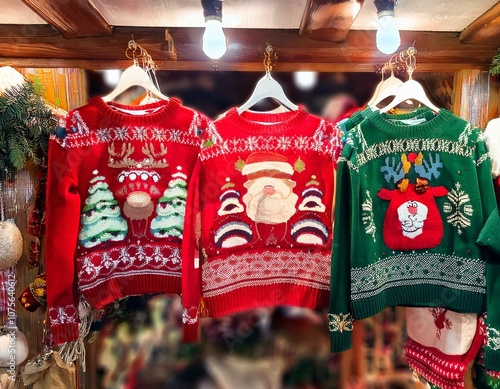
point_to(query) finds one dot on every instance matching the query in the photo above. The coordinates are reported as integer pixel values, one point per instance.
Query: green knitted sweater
(411, 199)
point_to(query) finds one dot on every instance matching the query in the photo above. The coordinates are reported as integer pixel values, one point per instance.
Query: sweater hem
(116, 288)
(340, 342)
(190, 333)
(265, 296)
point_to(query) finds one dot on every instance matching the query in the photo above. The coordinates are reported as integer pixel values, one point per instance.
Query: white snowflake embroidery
(104, 135)
(63, 315)
(493, 338)
(251, 143)
(142, 256)
(140, 133)
(283, 143)
(121, 133)
(90, 269)
(458, 208)
(158, 135)
(339, 323)
(318, 141)
(108, 263)
(175, 257)
(367, 216)
(175, 135)
(190, 315)
(301, 143)
(157, 257)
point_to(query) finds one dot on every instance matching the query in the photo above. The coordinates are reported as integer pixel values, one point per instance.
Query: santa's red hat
(267, 164)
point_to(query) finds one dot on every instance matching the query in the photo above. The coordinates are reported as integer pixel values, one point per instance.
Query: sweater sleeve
(339, 314)
(62, 223)
(191, 272)
(488, 237)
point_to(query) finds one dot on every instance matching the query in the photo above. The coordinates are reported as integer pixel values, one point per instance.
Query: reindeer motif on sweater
(412, 220)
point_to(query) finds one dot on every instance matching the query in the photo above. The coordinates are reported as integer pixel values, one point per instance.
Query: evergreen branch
(25, 127)
(495, 64)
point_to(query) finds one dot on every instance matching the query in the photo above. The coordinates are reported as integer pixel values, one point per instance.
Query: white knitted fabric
(492, 140)
(9, 77)
(448, 331)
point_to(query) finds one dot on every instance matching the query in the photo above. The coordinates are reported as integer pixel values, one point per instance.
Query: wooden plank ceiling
(321, 35)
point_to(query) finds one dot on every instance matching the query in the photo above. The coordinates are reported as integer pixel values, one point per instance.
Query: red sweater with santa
(261, 199)
(116, 193)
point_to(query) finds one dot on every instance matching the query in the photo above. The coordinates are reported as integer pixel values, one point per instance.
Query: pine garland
(25, 126)
(495, 64)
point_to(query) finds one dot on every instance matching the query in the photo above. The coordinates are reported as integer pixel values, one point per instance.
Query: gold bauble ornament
(11, 244)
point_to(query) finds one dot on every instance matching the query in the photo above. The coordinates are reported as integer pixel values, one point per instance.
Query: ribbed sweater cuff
(492, 359)
(63, 333)
(340, 341)
(190, 333)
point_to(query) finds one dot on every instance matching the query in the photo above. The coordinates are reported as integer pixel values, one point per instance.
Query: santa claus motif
(270, 198)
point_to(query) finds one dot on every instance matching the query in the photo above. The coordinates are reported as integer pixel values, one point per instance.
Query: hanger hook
(269, 55)
(411, 61)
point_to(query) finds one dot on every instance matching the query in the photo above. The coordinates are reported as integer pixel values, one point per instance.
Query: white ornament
(11, 244)
(13, 344)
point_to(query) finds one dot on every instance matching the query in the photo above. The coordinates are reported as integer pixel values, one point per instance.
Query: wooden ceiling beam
(41, 46)
(80, 19)
(485, 29)
(329, 20)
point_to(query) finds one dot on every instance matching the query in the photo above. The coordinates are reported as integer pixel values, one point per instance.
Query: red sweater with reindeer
(261, 197)
(116, 193)
(412, 198)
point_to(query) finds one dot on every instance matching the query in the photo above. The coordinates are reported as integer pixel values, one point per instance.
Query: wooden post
(471, 96)
(494, 101)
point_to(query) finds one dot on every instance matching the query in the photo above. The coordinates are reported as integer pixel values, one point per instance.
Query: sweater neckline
(387, 123)
(145, 114)
(263, 123)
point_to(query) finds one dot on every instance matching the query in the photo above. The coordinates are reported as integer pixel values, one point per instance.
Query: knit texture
(441, 344)
(116, 195)
(410, 203)
(490, 238)
(262, 198)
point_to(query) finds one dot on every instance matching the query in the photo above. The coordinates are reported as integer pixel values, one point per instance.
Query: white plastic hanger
(377, 88)
(410, 90)
(267, 87)
(134, 76)
(388, 87)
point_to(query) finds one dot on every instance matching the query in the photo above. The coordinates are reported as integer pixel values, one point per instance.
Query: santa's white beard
(270, 209)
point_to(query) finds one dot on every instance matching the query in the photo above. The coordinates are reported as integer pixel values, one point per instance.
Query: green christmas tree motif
(101, 218)
(171, 208)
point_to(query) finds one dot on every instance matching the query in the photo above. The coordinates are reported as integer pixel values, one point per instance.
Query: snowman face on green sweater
(412, 215)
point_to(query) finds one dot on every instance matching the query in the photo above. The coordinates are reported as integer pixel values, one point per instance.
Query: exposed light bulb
(214, 40)
(305, 80)
(111, 76)
(388, 38)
